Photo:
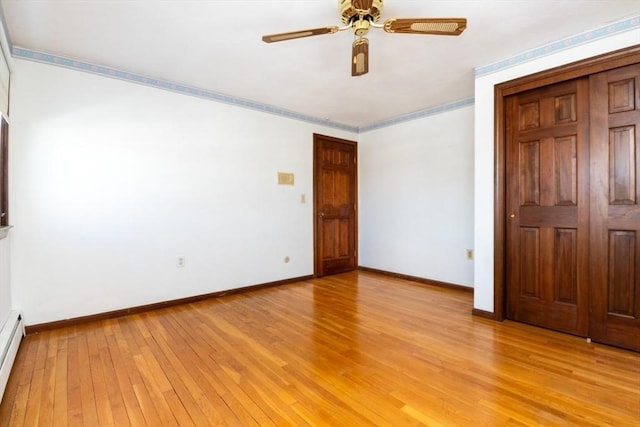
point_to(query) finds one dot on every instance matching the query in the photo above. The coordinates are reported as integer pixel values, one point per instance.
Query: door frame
(317, 261)
(605, 62)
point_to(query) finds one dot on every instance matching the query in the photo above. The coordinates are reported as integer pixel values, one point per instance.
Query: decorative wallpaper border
(548, 49)
(104, 71)
(563, 44)
(419, 114)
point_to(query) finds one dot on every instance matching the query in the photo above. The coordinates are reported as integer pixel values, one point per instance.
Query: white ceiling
(216, 45)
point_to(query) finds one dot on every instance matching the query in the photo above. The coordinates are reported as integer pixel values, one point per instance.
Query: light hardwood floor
(354, 349)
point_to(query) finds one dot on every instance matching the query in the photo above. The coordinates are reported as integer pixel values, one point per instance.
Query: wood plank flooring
(355, 349)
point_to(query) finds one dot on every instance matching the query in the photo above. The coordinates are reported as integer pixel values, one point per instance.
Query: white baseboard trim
(10, 337)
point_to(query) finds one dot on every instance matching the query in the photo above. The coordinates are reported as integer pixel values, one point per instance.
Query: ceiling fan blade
(438, 26)
(360, 57)
(299, 34)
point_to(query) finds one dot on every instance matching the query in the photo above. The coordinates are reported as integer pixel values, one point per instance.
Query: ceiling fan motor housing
(361, 27)
(358, 10)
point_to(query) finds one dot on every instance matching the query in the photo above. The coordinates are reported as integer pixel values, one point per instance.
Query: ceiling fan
(360, 15)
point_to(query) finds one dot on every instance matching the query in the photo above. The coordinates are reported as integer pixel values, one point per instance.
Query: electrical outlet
(181, 262)
(469, 254)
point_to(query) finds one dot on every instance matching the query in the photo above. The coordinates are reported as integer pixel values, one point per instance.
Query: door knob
(512, 216)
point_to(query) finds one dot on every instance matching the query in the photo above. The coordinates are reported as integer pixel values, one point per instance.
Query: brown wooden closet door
(615, 208)
(548, 207)
(335, 198)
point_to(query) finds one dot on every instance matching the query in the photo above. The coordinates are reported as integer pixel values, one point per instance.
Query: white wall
(5, 281)
(484, 148)
(111, 182)
(416, 197)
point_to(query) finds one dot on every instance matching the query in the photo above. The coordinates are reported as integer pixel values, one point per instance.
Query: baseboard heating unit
(10, 336)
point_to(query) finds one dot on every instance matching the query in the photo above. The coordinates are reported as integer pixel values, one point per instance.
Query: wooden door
(547, 201)
(335, 198)
(615, 208)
